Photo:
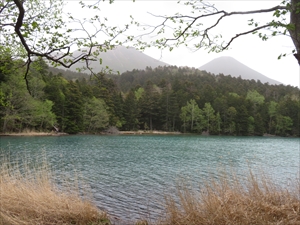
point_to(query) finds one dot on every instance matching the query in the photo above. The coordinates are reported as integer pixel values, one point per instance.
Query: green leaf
(34, 24)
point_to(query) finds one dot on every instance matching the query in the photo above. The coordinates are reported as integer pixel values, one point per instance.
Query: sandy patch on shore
(147, 132)
(33, 134)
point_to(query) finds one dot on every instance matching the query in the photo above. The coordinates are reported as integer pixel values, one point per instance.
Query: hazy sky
(249, 50)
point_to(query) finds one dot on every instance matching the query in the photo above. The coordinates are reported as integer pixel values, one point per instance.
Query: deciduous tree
(192, 30)
(34, 28)
(95, 116)
(209, 113)
(190, 114)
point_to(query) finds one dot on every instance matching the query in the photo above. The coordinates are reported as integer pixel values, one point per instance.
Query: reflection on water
(130, 175)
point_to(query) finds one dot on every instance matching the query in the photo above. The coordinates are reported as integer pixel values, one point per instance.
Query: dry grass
(255, 201)
(29, 197)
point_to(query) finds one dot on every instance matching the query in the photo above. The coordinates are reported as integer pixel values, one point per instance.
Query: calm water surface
(130, 175)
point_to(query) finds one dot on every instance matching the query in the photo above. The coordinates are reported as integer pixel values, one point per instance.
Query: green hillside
(163, 98)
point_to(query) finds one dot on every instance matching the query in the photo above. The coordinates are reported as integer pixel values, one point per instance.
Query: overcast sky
(249, 50)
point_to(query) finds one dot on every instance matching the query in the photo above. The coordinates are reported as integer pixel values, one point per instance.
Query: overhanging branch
(244, 33)
(26, 24)
(223, 14)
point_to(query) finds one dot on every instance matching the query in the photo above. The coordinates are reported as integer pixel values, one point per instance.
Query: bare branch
(20, 23)
(27, 71)
(244, 33)
(7, 24)
(4, 6)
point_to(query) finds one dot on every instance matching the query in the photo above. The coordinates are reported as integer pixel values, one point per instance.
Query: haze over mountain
(230, 66)
(122, 59)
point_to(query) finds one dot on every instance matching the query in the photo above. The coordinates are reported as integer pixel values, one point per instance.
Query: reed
(29, 196)
(234, 201)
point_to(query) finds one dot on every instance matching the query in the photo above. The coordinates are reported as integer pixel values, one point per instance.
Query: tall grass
(235, 201)
(28, 196)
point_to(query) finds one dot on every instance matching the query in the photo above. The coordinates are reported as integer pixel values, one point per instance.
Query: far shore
(34, 134)
(148, 132)
(138, 132)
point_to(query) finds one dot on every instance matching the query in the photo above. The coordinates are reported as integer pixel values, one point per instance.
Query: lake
(129, 175)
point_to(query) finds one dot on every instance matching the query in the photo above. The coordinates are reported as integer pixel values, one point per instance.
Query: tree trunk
(295, 33)
(173, 123)
(151, 122)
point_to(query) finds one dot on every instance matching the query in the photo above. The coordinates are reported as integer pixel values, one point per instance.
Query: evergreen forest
(166, 98)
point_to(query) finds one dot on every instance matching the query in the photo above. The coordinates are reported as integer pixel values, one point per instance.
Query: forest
(166, 98)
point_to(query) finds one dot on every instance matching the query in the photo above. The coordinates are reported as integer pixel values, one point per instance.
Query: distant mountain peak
(228, 65)
(122, 59)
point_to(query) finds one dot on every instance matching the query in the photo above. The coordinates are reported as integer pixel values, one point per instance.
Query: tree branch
(4, 7)
(225, 14)
(27, 22)
(247, 32)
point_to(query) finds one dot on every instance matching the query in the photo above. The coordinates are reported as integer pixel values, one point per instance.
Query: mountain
(230, 66)
(122, 59)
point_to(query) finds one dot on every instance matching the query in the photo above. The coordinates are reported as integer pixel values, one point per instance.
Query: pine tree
(74, 109)
(242, 121)
(130, 112)
(258, 125)
(55, 91)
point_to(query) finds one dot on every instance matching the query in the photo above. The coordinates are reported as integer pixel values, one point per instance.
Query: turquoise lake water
(129, 176)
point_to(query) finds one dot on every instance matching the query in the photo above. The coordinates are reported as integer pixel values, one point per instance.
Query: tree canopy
(163, 98)
(193, 30)
(30, 29)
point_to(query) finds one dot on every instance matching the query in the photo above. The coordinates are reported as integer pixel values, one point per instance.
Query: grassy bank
(29, 197)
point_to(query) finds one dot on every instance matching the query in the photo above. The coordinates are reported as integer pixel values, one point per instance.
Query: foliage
(195, 27)
(192, 114)
(95, 117)
(36, 29)
(131, 111)
(255, 97)
(164, 98)
(284, 125)
(243, 110)
(73, 109)
(19, 110)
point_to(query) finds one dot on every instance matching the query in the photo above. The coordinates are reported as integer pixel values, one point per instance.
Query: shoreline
(149, 132)
(34, 134)
(138, 132)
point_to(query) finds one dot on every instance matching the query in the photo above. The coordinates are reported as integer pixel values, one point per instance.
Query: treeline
(165, 98)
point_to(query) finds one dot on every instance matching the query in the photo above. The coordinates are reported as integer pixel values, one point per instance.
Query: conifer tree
(74, 109)
(131, 112)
